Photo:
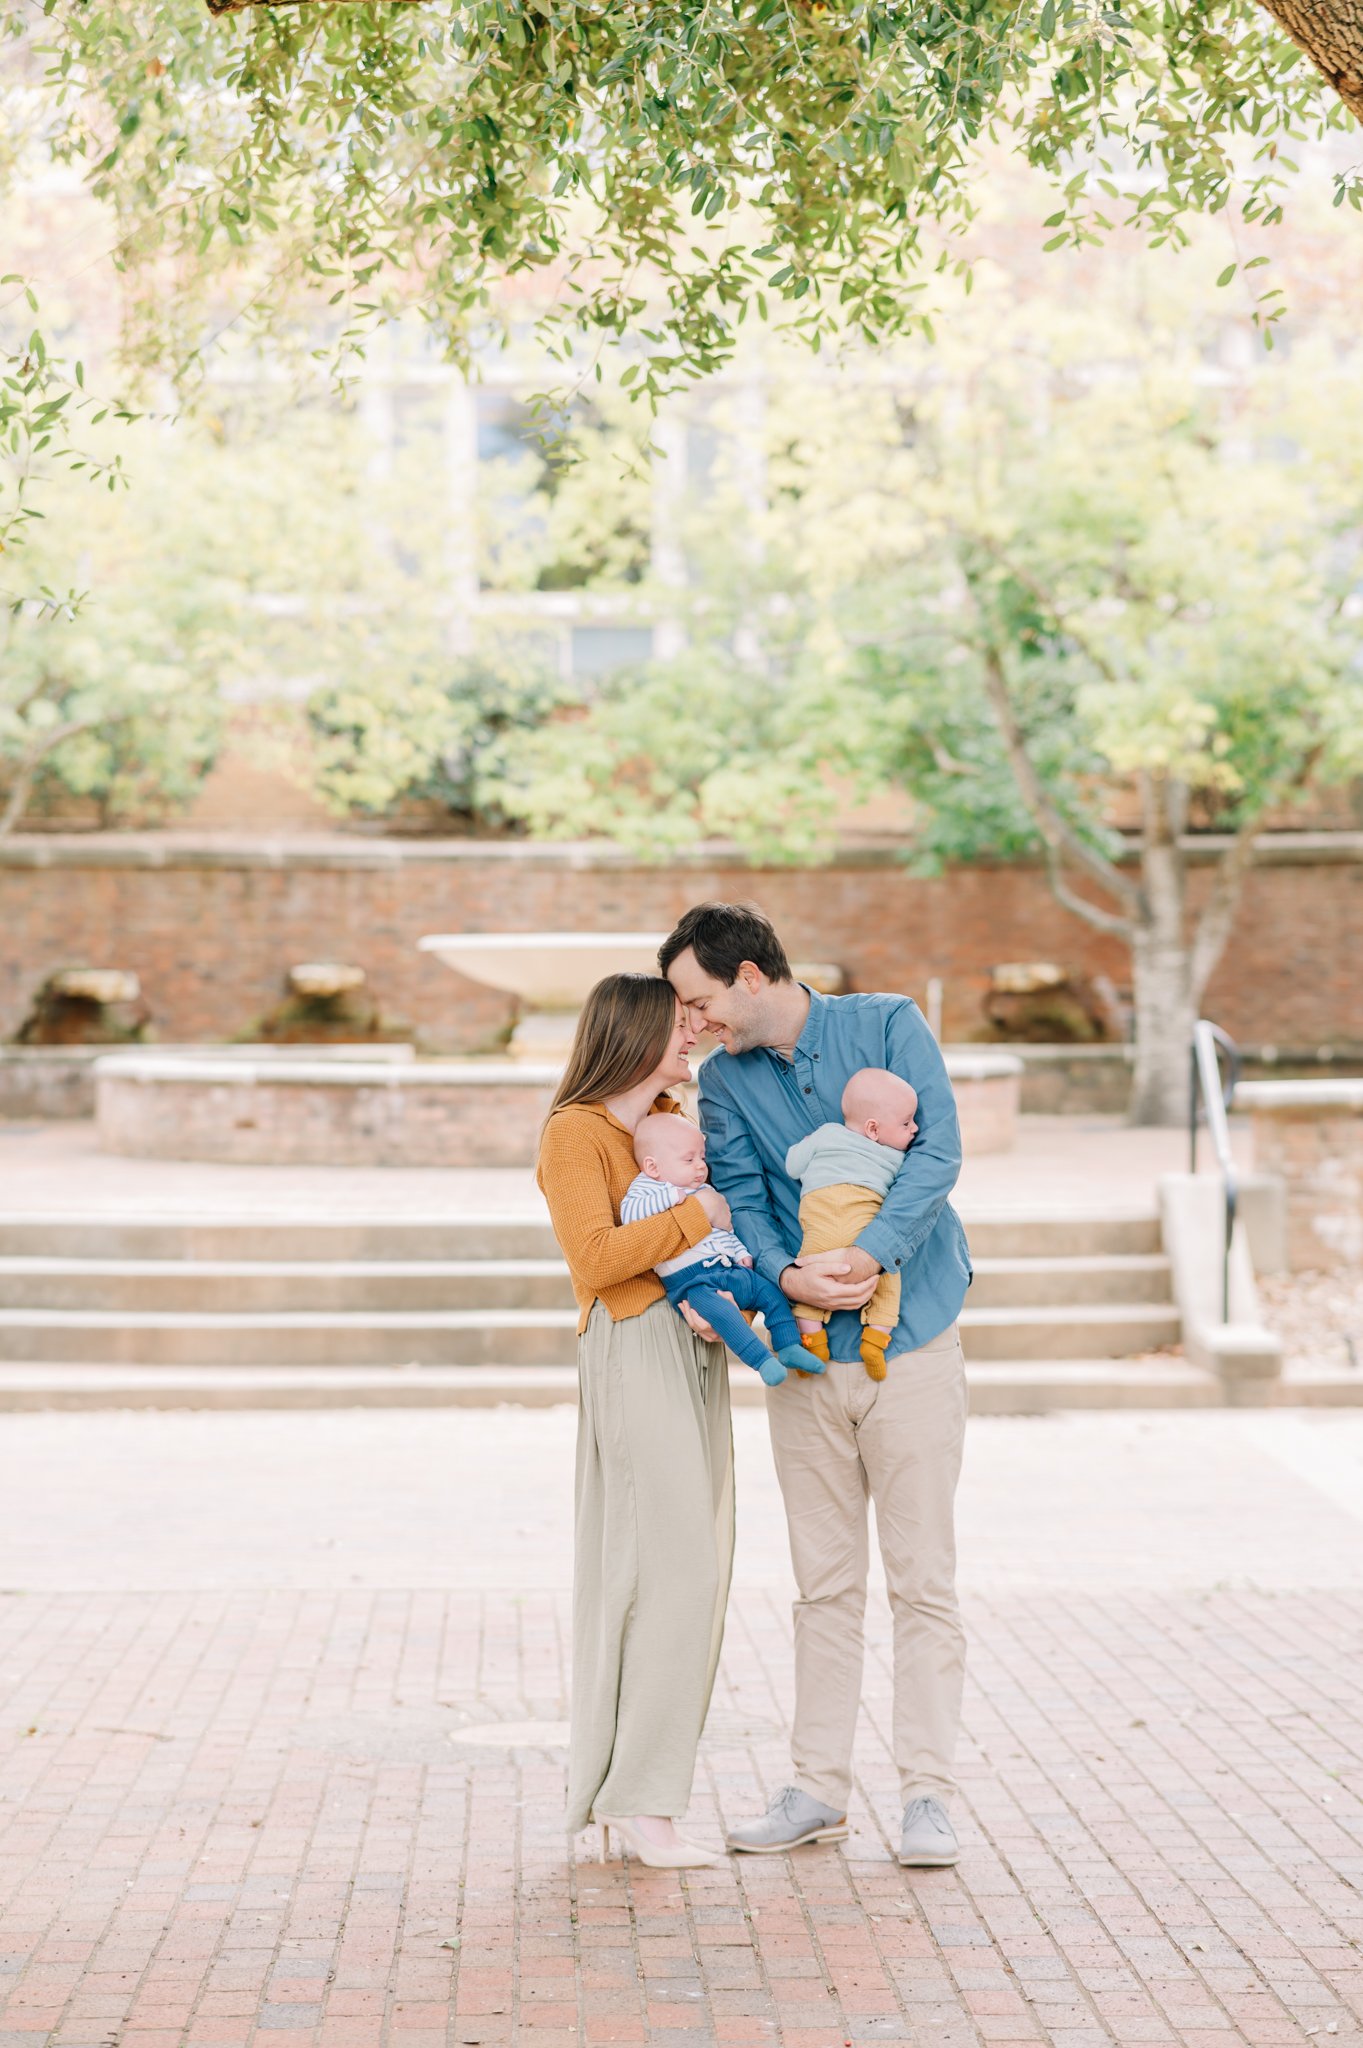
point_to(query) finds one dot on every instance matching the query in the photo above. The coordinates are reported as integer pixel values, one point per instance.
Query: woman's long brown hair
(621, 1037)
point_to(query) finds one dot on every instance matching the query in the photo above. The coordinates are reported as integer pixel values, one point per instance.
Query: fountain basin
(549, 973)
(286, 1110)
(281, 1108)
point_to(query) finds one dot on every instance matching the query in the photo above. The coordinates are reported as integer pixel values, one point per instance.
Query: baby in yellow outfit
(845, 1171)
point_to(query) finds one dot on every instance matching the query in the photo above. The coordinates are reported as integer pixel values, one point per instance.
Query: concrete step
(354, 1286)
(1108, 1277)
(485, 1336)
(1039, 1387)
(1095, 1330)
(337, 1286)
(517, 1337)
(1016, 1387)
(1015, 1234)
(262, 1239)
(246, 1238)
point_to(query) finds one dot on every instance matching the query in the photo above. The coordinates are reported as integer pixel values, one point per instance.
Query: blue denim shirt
(755, 1105)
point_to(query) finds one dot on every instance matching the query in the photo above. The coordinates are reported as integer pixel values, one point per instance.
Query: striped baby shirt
(648, 1197)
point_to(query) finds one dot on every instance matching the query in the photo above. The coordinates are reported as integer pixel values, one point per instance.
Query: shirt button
(809, 1091)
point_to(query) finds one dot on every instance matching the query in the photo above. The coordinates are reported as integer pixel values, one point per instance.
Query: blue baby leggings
(701, 1285)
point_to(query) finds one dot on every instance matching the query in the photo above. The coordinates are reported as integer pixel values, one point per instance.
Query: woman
(654, 1528)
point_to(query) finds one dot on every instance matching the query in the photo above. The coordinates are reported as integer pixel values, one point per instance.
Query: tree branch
(25, 775)
(1049, 602)
(1332, 37)
(1057, 832)
(240, 6)
(1218, 912)
(1092, 913)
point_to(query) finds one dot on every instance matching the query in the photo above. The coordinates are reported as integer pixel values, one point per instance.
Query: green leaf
(1227, 274)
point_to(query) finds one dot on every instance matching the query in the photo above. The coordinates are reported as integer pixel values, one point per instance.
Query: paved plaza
(1099, 1162)
(281, 1707)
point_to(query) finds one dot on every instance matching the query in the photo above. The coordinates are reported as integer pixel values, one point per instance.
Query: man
(786, 1054)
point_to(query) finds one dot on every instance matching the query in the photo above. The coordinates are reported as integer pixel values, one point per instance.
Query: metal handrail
(1205, 1078)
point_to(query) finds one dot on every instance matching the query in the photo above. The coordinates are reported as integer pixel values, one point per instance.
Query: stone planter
(1310, 1134)
(988, 1089)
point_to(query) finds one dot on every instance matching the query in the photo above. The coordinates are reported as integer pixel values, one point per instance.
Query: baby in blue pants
(671, 1155)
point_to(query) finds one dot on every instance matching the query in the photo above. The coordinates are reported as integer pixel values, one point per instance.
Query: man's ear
(751, 976)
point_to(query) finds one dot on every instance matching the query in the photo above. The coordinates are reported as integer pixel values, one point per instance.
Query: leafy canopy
(1156, 561)
(651, 172)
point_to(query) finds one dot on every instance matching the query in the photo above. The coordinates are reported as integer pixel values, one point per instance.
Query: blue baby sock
(800, 1360)
(772, 1371)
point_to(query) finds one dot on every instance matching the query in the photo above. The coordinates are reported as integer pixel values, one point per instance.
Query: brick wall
(211, 926)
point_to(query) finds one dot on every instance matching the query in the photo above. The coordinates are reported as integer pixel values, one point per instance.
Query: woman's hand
(698, 1323)
(715, 1207)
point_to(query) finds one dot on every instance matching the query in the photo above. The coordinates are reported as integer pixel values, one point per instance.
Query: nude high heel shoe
(685, 1856)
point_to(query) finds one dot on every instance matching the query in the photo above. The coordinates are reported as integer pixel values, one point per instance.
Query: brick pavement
(254, 1800)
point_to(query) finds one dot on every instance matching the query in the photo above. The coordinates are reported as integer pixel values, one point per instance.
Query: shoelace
(925, 1806)
(784, 1798)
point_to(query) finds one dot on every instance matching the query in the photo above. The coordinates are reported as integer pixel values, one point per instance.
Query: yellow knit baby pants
(831, 1218)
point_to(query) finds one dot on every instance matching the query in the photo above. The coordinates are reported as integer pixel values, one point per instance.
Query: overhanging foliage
(662, 171)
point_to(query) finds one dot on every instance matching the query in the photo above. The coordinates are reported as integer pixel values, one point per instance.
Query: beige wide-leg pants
(836, 1440)
(653, 1553)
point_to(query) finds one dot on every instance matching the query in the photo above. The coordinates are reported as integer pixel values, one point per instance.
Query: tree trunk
(1162, 988)
(1331, 33)
(1165, 1016)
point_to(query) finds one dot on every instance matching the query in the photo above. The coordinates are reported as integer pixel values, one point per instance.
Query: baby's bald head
(671, 1148)
(881, 1106)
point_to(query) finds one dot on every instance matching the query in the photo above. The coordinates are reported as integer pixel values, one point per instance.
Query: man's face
(735, 1015)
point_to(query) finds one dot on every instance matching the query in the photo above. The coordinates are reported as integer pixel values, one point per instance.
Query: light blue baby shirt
(833, 1155)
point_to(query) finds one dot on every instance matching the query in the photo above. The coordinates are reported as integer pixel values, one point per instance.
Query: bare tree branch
(1101, 920)
(1055, 829)
(1049, 602)
(26, 774)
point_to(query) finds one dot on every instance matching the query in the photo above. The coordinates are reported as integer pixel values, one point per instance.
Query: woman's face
(675, 1064)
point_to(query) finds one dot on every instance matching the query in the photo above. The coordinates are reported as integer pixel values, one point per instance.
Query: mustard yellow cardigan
(586, 1162)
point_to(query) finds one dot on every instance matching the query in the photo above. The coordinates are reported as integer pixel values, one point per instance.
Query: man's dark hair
(722, 936)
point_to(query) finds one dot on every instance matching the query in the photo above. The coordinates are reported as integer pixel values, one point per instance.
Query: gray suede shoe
(928, 1837)
(792, 1819)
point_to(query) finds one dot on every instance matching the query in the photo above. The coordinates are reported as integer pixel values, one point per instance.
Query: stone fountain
(549, 973)
(379, 1105)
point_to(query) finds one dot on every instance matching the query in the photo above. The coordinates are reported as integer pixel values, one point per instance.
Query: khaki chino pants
(838, 1440)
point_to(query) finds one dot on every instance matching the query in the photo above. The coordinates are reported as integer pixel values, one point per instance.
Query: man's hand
(698, 1324)
(832, 1280)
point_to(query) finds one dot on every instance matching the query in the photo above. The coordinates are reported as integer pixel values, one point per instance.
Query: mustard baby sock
(873, 1344)
(817, 1342)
